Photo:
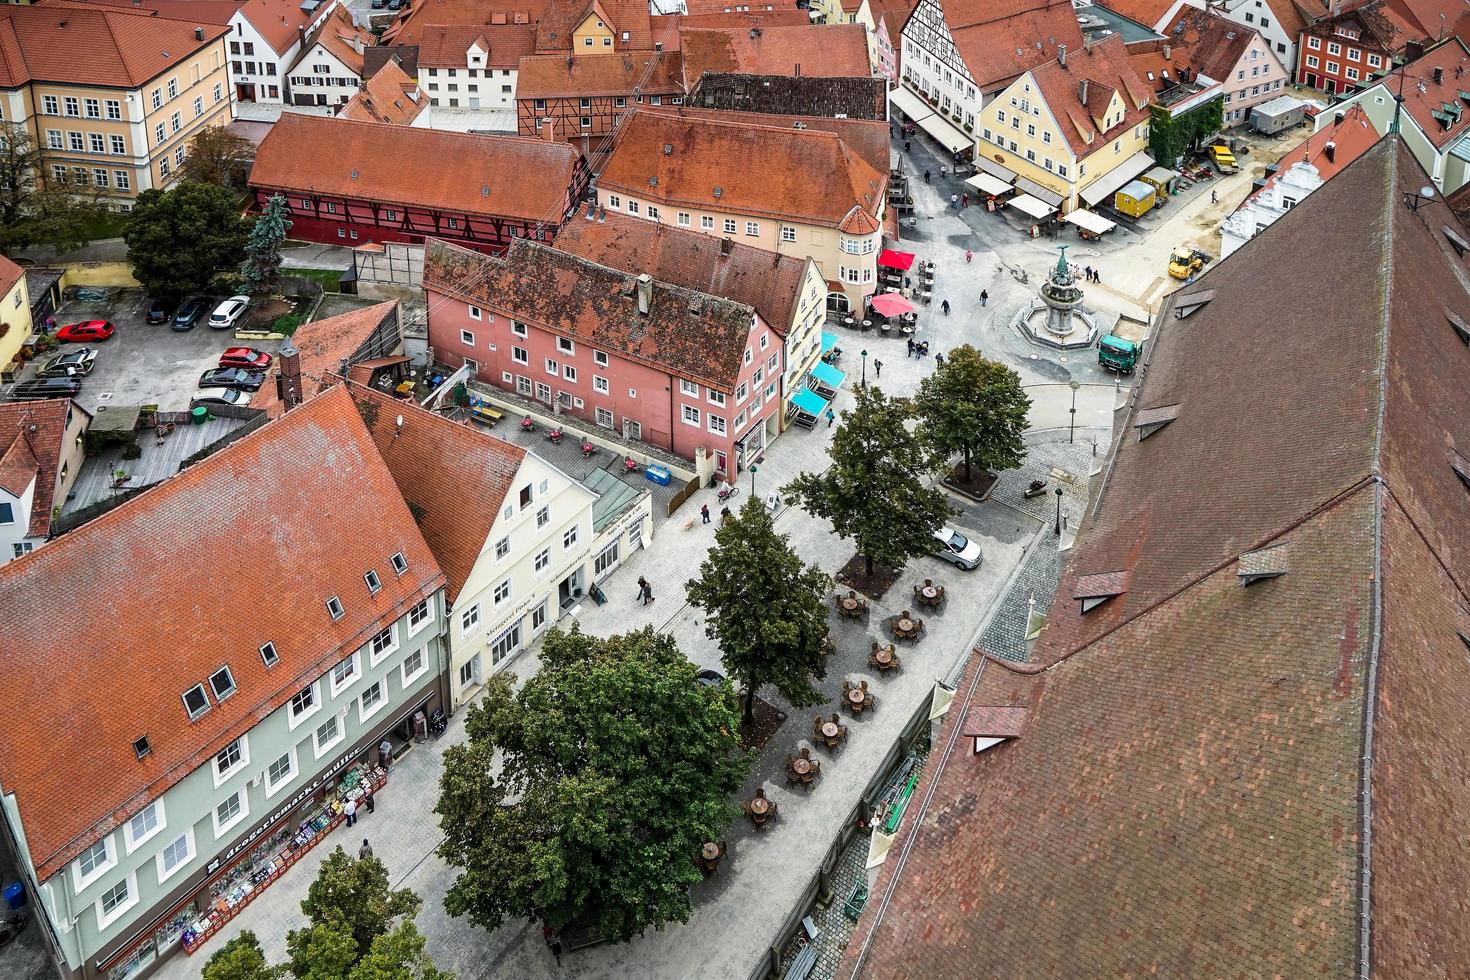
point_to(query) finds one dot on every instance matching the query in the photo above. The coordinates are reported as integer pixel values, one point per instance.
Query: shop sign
(291, 804)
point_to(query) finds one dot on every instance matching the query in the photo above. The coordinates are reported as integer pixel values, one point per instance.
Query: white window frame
(131, 842)
(565, 346)
(220, 829)
(351, 679)
(165, 873)
(600, 385)
(688, 388)
(220, 778)
(109, 861)
(690, 415)
(274, 787)
(471, 309)
(105, 919)
(409, 678)
(318, 748)
(375, 658)
(501, 593)
(569, 538)
(363, 711)
(424, 608)
(293, 718)
(469, 619)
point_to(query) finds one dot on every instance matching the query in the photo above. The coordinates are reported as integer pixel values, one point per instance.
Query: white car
(227, 313)
(957, 549)
(211, 397)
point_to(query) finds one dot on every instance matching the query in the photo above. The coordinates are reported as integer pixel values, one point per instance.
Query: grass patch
(327, 278)
(108, 224)
(287, 324)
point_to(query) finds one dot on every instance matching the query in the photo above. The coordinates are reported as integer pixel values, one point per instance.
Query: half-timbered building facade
(350, 182)
(583, 98)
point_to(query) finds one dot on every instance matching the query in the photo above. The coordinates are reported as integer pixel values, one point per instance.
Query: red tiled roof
(999, 39)
(1350, 138)
(10, 274)
(389, 97)
(1149, 13)
(665, 28)
(687, 333)
(1192, 789)
(550, 76)
(33, 433)
(413, 22)
(767, 281)
(868, 138)
(759, 169)
(526, 178)
(446, 45)
(814, 50)
(82, 45)
(455, 476)
(1377, 25)
(1207, 43)
(323, 345)
(342, 38)
(561, 17)
(994, 721)
(240, 549)
(1423, 97)
(1106, 69)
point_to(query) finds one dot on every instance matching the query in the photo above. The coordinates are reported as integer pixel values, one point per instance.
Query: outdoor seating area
(929, 594)
(857, 697)
(883, 658)
(711, 854)
(906, 626)
(803, 768)
(852, 605)
(829, 731)
(760, 809)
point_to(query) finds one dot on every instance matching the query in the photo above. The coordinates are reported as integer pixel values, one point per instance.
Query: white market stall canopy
(1088, 221)
(1030, 205)
(910, 104)
(987, 184)
(1104, 187)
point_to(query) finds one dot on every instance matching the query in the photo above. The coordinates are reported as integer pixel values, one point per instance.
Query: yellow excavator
(1185, 261)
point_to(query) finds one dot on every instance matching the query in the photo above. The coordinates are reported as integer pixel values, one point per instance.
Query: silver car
(211, 397)
(957, 549)
(229, 312)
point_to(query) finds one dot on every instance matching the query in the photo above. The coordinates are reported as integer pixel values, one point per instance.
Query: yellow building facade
(15, 311)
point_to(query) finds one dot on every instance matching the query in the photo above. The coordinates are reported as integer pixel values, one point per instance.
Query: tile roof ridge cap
(619, 273)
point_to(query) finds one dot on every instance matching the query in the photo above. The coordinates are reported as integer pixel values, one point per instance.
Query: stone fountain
(1056, 318)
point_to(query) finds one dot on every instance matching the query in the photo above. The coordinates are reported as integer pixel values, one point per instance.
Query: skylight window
(374, 584)
(334, 606)
(196, 702)
(400, 563)
(269, 655)
(223, 683)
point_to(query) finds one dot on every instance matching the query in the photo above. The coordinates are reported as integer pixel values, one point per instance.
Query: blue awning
(809, 402)
(827, 375)
(829, 341)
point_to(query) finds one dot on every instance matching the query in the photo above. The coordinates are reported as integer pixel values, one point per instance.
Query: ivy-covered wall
(1170, 136)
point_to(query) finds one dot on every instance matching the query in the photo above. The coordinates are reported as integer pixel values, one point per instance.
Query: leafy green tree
(876, 490)
(615, 765)
(398, 955)
(262, 266)
(354, 894)
(1171, 136)
(178, 239)
(35, 207)
(764, 607)
(240, 959)
(975, 407)
(220, 157)
(323, 951)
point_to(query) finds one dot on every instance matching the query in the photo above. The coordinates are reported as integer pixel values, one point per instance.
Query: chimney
(1166, 52)
(725, 246)
(288, 381)
(1062, 55)
(1331, 151)
(645, 293)
(548, 129)
(198, 33)
(798, 69)
(1082, 91)
(1439, 76)
(1337, 119)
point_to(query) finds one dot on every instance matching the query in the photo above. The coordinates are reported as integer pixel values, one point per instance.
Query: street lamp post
(753, 469)
(864, 383)
(1059, 512)
(1072, 424)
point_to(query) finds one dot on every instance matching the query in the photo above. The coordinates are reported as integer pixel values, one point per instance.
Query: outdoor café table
(884, 656)
(801, 766)
(830, 730)
(850, 605)
(848, 322)
(905, 625)
(857, 697)
(759, 807)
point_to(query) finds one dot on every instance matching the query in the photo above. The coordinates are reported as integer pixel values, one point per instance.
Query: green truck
(1117, 354)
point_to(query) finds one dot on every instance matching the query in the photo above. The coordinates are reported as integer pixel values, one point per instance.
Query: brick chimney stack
(288, 378)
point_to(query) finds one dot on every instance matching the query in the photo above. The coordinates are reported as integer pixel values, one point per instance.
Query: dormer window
(400, 563)
(374, 584)
(1193, 302)
(1461, 466)
(1264, 563)
(268, 654)
(1461, 246)
(223, 683)
(1460, 327)
(989, 725)
(1093, 590)
(1151, 420)
(334, 607)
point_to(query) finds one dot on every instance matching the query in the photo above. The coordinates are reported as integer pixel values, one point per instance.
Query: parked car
(75, 333)
(189, 314)
(212, 397)
(709, 678)
(232, 377)
(46, 388)
(245, 357)
(229, 312)
(957, 549)
(162, 309)
(72, 364)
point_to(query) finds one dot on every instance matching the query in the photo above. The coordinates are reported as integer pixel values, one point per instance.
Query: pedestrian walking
(945, 307)
(968, 256)
(1097, 275)
(385, 754)
(1213, 198)
(704, 514)
(908, 282)
(831, 417)
(911, 347)
(939, 360)
(926, 176)
(877, 368)
(724, 514)
(365, 851)
(647, 593)
(1088, 270)
(367, 796)
(906, 145)
(643, 590)
(984, 297)
(954, 201)
(965, 199)
(349, 810)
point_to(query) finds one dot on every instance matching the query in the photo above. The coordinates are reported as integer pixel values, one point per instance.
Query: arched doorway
(837, 302)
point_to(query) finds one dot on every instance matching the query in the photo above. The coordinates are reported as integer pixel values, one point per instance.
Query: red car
(77, 333)
(245, 357)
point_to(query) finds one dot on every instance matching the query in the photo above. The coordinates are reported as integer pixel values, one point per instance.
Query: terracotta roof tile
(999, 39)
(18, 466)
(389, 96)
(446, 45)
(825, 51)
(868, 138)
(41, 427)
(342, 38)
(994, 721)
(411, 24)
(759, 169)
(687, 333)
(561, 17)
(1437, 107)
(84, 45)
(527, 178)
(767, 281)
(1100, 584)
(1351, 138)
(552, 75)
(1207, 43)
(263, 525)
(455, 476)
(10, 274)
(1106, 69)
(323, 345)
(666, 28)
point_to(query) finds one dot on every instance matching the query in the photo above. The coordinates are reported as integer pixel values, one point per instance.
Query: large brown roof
(1106, 69)
(10, 274)
(1209, 769)
(492, 175)
(81, 45)
(1350, 139)
(665, 28)
(767, 281)
(446, 45)
(31, 437)
(868, 138)
(453, 476)
(1438, 108)
(322, 345)
(1207, 43)
(814, 50)
(549, 76)
(409, 27)
(758, 168)
(241, 549)
(560, 18)
(999, 39)
(342, 38)
(389, 96)
(686, 333)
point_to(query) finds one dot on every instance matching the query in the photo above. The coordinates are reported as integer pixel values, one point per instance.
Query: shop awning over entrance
(810, 402)
(1030, 205)
(1037, 191)
(988, 184)
(994, 169)
(1117, 177)
(828, 376)
(1088, 221)
(910, 104)
(950, 136)
(893, 259)
(829, 341)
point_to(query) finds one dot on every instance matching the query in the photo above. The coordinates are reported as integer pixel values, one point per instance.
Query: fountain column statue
(1056, 318)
